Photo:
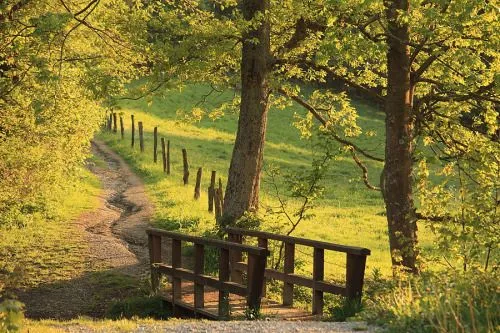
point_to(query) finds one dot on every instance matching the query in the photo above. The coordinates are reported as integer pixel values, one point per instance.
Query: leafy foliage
(59, 62)
(11, 316)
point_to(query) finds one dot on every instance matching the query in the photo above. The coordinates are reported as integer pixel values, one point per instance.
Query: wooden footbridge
(239, 289)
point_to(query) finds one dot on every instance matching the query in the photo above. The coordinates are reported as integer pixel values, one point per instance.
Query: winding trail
(116, 256)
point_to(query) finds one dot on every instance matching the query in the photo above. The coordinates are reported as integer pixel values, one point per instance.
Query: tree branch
(324, 122)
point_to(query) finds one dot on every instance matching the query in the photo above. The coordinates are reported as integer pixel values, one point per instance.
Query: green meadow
(347, 213)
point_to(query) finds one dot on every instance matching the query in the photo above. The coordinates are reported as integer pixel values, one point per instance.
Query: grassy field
(348, 213)
(49, 248)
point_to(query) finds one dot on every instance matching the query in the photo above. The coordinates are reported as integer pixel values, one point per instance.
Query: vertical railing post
(176, 282)
(355, 273)
(318, 275)
(199, 268)
(255, 273)
(263, 242)
(234, 257)
(289, 267)
(223, 276)
(154, 257)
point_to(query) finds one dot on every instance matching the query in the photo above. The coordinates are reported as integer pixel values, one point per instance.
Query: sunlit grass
(348, 213)
(49, 248)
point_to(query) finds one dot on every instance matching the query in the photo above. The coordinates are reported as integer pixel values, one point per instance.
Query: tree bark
(242, 191)
(397, 184)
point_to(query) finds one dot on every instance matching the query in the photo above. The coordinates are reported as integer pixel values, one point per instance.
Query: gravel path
(114, 234)
(226, 326)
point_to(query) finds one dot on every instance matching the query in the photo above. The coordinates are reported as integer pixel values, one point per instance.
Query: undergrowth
(442, 303)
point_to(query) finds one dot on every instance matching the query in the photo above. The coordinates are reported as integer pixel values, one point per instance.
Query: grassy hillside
(348, 213)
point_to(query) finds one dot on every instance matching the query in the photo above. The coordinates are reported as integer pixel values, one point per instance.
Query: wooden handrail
(355, 267)
(254, 269)
(209, 241)
(300, 241)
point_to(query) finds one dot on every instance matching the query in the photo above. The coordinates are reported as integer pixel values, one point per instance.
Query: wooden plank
(207, 241)
(298, 280)
(355, 273)
(318, 275)
(206, 280)
(289, 267)
(301, 241)
(223, 277)
(189, 307)
(199, 269)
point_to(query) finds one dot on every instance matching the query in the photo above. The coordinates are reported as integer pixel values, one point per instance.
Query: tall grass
(448, 303)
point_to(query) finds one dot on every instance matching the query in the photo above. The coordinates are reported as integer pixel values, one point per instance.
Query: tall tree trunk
(397, 187)
(242, 191)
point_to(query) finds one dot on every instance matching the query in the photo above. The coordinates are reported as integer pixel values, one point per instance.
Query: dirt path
(117, 257)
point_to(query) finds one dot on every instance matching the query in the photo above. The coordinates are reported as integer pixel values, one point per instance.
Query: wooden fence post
(221, 196)
(318, 275)
(289, 267)
(211, 192)
(164, 155)
(355, 273)
(185, 166)
(133, 130)
(198, 185)
(141, 136)
(155, 144)
(115, 127)
(168, 157)
(122, 130)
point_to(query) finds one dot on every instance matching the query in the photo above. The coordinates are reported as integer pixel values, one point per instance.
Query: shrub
(437, 303)
(11, 316)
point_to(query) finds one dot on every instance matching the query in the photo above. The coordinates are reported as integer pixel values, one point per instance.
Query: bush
(11, 316)
(437, 303)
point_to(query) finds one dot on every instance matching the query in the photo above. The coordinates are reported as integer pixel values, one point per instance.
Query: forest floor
(116, 254)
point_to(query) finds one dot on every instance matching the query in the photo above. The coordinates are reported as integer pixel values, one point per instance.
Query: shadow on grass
(104, 294)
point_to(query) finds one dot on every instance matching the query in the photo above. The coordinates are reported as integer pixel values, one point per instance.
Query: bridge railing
(355, 267)
(254, 269)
